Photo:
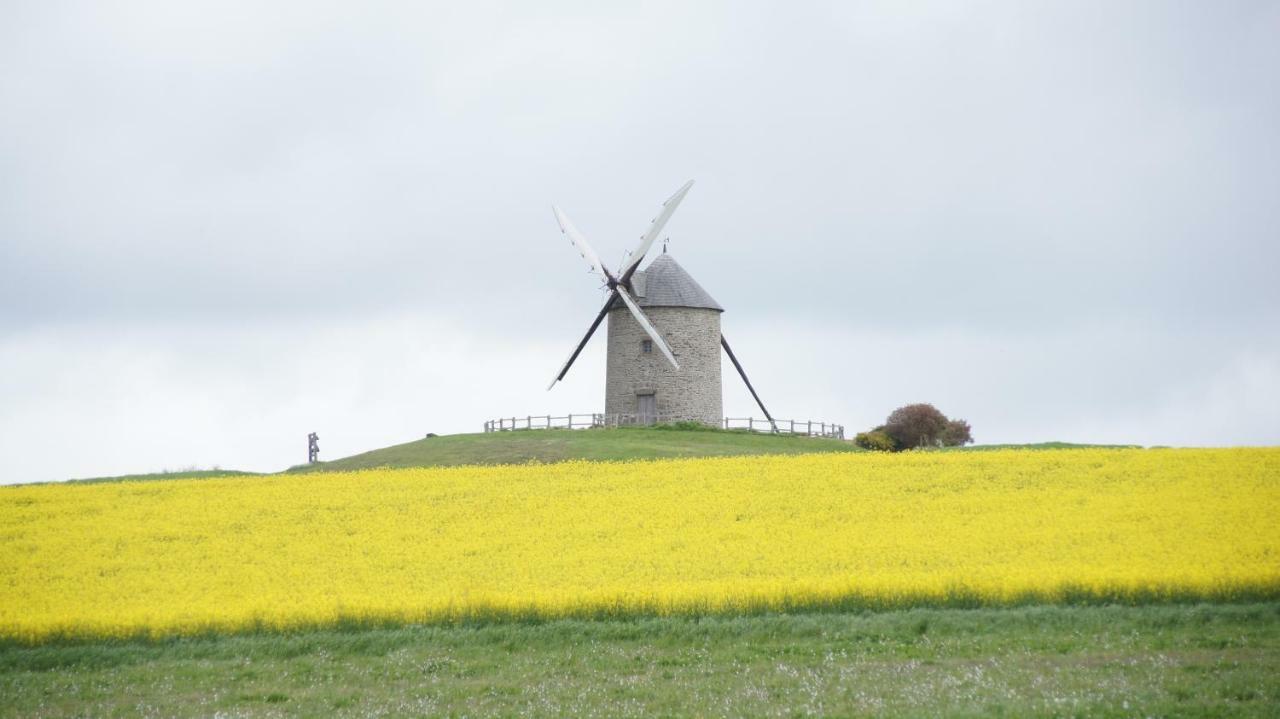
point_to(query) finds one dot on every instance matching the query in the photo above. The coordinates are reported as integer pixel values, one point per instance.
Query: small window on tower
(646, 346)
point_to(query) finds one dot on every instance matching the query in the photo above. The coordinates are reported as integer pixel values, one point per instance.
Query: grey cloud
(996, 170)
(1080, 159)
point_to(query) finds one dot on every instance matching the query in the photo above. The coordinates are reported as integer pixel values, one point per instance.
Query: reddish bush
(916, 425)
(957, 433)
(920, 425)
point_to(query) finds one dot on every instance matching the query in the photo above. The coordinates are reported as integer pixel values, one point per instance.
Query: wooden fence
(570, 421)
(786, 426)
(587, 421)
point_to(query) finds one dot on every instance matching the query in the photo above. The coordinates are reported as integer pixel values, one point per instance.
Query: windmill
(682, 323)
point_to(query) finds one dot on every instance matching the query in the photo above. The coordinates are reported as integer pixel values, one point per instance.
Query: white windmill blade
(583, 247)
(668, 209)
(648, 328)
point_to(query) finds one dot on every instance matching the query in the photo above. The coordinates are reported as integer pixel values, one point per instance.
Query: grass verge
(591, 444)
(1183, 660)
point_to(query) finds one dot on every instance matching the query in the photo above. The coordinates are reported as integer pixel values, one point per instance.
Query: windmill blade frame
(583, 247)
(618, 283)
(646, 325)
(655, 229)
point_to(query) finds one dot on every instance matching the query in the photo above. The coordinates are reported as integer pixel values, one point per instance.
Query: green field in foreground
(1189, 660)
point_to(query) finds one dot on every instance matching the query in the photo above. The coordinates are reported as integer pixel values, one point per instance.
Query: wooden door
(646, 409)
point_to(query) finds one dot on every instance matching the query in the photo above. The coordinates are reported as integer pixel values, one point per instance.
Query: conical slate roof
(664, 283)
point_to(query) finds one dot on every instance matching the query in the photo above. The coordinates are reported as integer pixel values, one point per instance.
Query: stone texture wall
(691, 393)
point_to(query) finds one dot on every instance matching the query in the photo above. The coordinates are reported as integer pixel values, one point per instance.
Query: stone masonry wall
(691, 393)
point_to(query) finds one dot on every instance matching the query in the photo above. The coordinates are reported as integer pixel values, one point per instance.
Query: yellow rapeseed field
(587, 539)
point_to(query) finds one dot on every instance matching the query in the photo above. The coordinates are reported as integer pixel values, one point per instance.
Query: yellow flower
(603, 539)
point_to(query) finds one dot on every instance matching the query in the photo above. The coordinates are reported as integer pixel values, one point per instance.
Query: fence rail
(587, 421)
(786, 426)
(570, 421)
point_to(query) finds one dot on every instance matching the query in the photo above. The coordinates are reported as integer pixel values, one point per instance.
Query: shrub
(875, 440)
(957, 433)
(916, 425)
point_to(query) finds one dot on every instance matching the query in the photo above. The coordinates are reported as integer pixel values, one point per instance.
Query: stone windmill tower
(638, 379)
(663, 361)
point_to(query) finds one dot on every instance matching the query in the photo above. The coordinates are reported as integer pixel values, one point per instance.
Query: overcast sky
(224, 225)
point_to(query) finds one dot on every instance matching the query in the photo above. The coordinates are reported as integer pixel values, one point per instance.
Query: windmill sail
(646, 325)
(646, 241)
(580, 243)
(616, 282)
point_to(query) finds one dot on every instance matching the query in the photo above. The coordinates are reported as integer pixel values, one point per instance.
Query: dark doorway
(646, 409)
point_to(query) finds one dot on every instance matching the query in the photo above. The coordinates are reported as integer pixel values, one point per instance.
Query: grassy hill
(541, 446)
(1040, 445)
(560, 445)
(166, 474)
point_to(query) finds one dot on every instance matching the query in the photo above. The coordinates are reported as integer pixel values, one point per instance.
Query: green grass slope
(177, 474)
(1040, 445)
(1188, 660)
(560, 445)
